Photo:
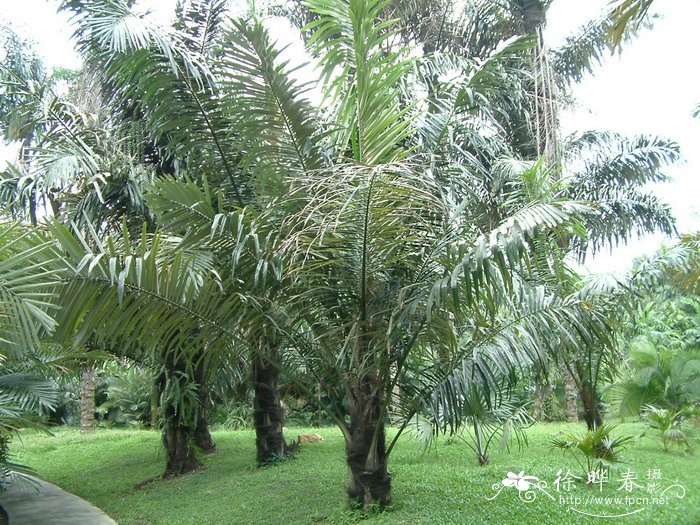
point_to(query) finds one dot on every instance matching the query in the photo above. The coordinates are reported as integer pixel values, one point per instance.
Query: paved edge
(48, 504)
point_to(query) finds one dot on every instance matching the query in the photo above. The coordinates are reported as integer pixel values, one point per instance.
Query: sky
(651, 88)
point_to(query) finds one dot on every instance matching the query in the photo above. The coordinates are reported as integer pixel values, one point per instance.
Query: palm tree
(527, 338)
(362, 246)
(608, 172)
(362, 250)
(194, 127)
(369, 261)
(93, 167)
(661, 366)
(73, 157)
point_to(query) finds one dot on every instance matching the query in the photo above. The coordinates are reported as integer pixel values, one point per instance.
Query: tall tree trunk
(155, 397)
(87, 399)
(268, 414)
(534, 16)
(545, 110)
(570, 396)
(365, 448)
(591, 408)
(538, 404)
(543, 392)
(178, 432)
(202, 437)
(319, 391)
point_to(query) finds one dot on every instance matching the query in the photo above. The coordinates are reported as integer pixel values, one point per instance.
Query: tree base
(369, 490)
(181, 457)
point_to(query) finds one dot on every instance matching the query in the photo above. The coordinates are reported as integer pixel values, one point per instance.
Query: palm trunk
(542, 393)
(181, 458)
(481, 454)
(87, 399)
(319, 391)
(545, 110)
(155, 396)
(178, 432)
(570, 396)
(268, 414)
(538, 404)
(202, 436)
(591, 409)
(533, 15)
(365, 448)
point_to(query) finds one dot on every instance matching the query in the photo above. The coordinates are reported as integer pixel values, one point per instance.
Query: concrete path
(49, 505)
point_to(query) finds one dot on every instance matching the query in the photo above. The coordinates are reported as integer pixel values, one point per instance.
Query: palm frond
(362, 77)
(583, 52)
(142, 296)
(201, 22)
(28, 276)
(278, 125)
(625, 16)
(150, 72)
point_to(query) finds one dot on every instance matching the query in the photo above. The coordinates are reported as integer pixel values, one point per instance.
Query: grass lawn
(444, 486)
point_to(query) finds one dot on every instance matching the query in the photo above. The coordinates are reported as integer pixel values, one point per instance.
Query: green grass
(444, 486)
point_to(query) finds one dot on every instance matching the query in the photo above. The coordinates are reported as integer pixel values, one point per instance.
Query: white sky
(652, 88)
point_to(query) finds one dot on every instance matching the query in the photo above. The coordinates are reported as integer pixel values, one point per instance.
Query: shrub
(127, 396)
(234, 415)
(673, 426)
(600, 450)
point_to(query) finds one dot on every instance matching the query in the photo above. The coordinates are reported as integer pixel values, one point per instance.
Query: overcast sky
(652, 88)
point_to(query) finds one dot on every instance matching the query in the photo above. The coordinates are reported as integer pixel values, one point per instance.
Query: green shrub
(124, 396)
(600, 450)
(673, 426)
(234, 415)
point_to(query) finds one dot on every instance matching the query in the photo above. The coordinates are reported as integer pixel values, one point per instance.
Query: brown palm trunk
(178, 433)
(202, 436)
(155, 402)
(268, 414)
(570, 396)
(87, 399)
(181, 458)
(365, 448)
(591, 409)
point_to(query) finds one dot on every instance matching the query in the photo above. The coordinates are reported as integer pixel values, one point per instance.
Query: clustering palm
(78, 163)
(351, 242)
(486, 416)
(609, 175)
(367, 251)
(604, 169)
(600, 449)
(673, 426)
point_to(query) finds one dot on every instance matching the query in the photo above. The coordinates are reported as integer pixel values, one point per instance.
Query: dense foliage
(201, 236)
